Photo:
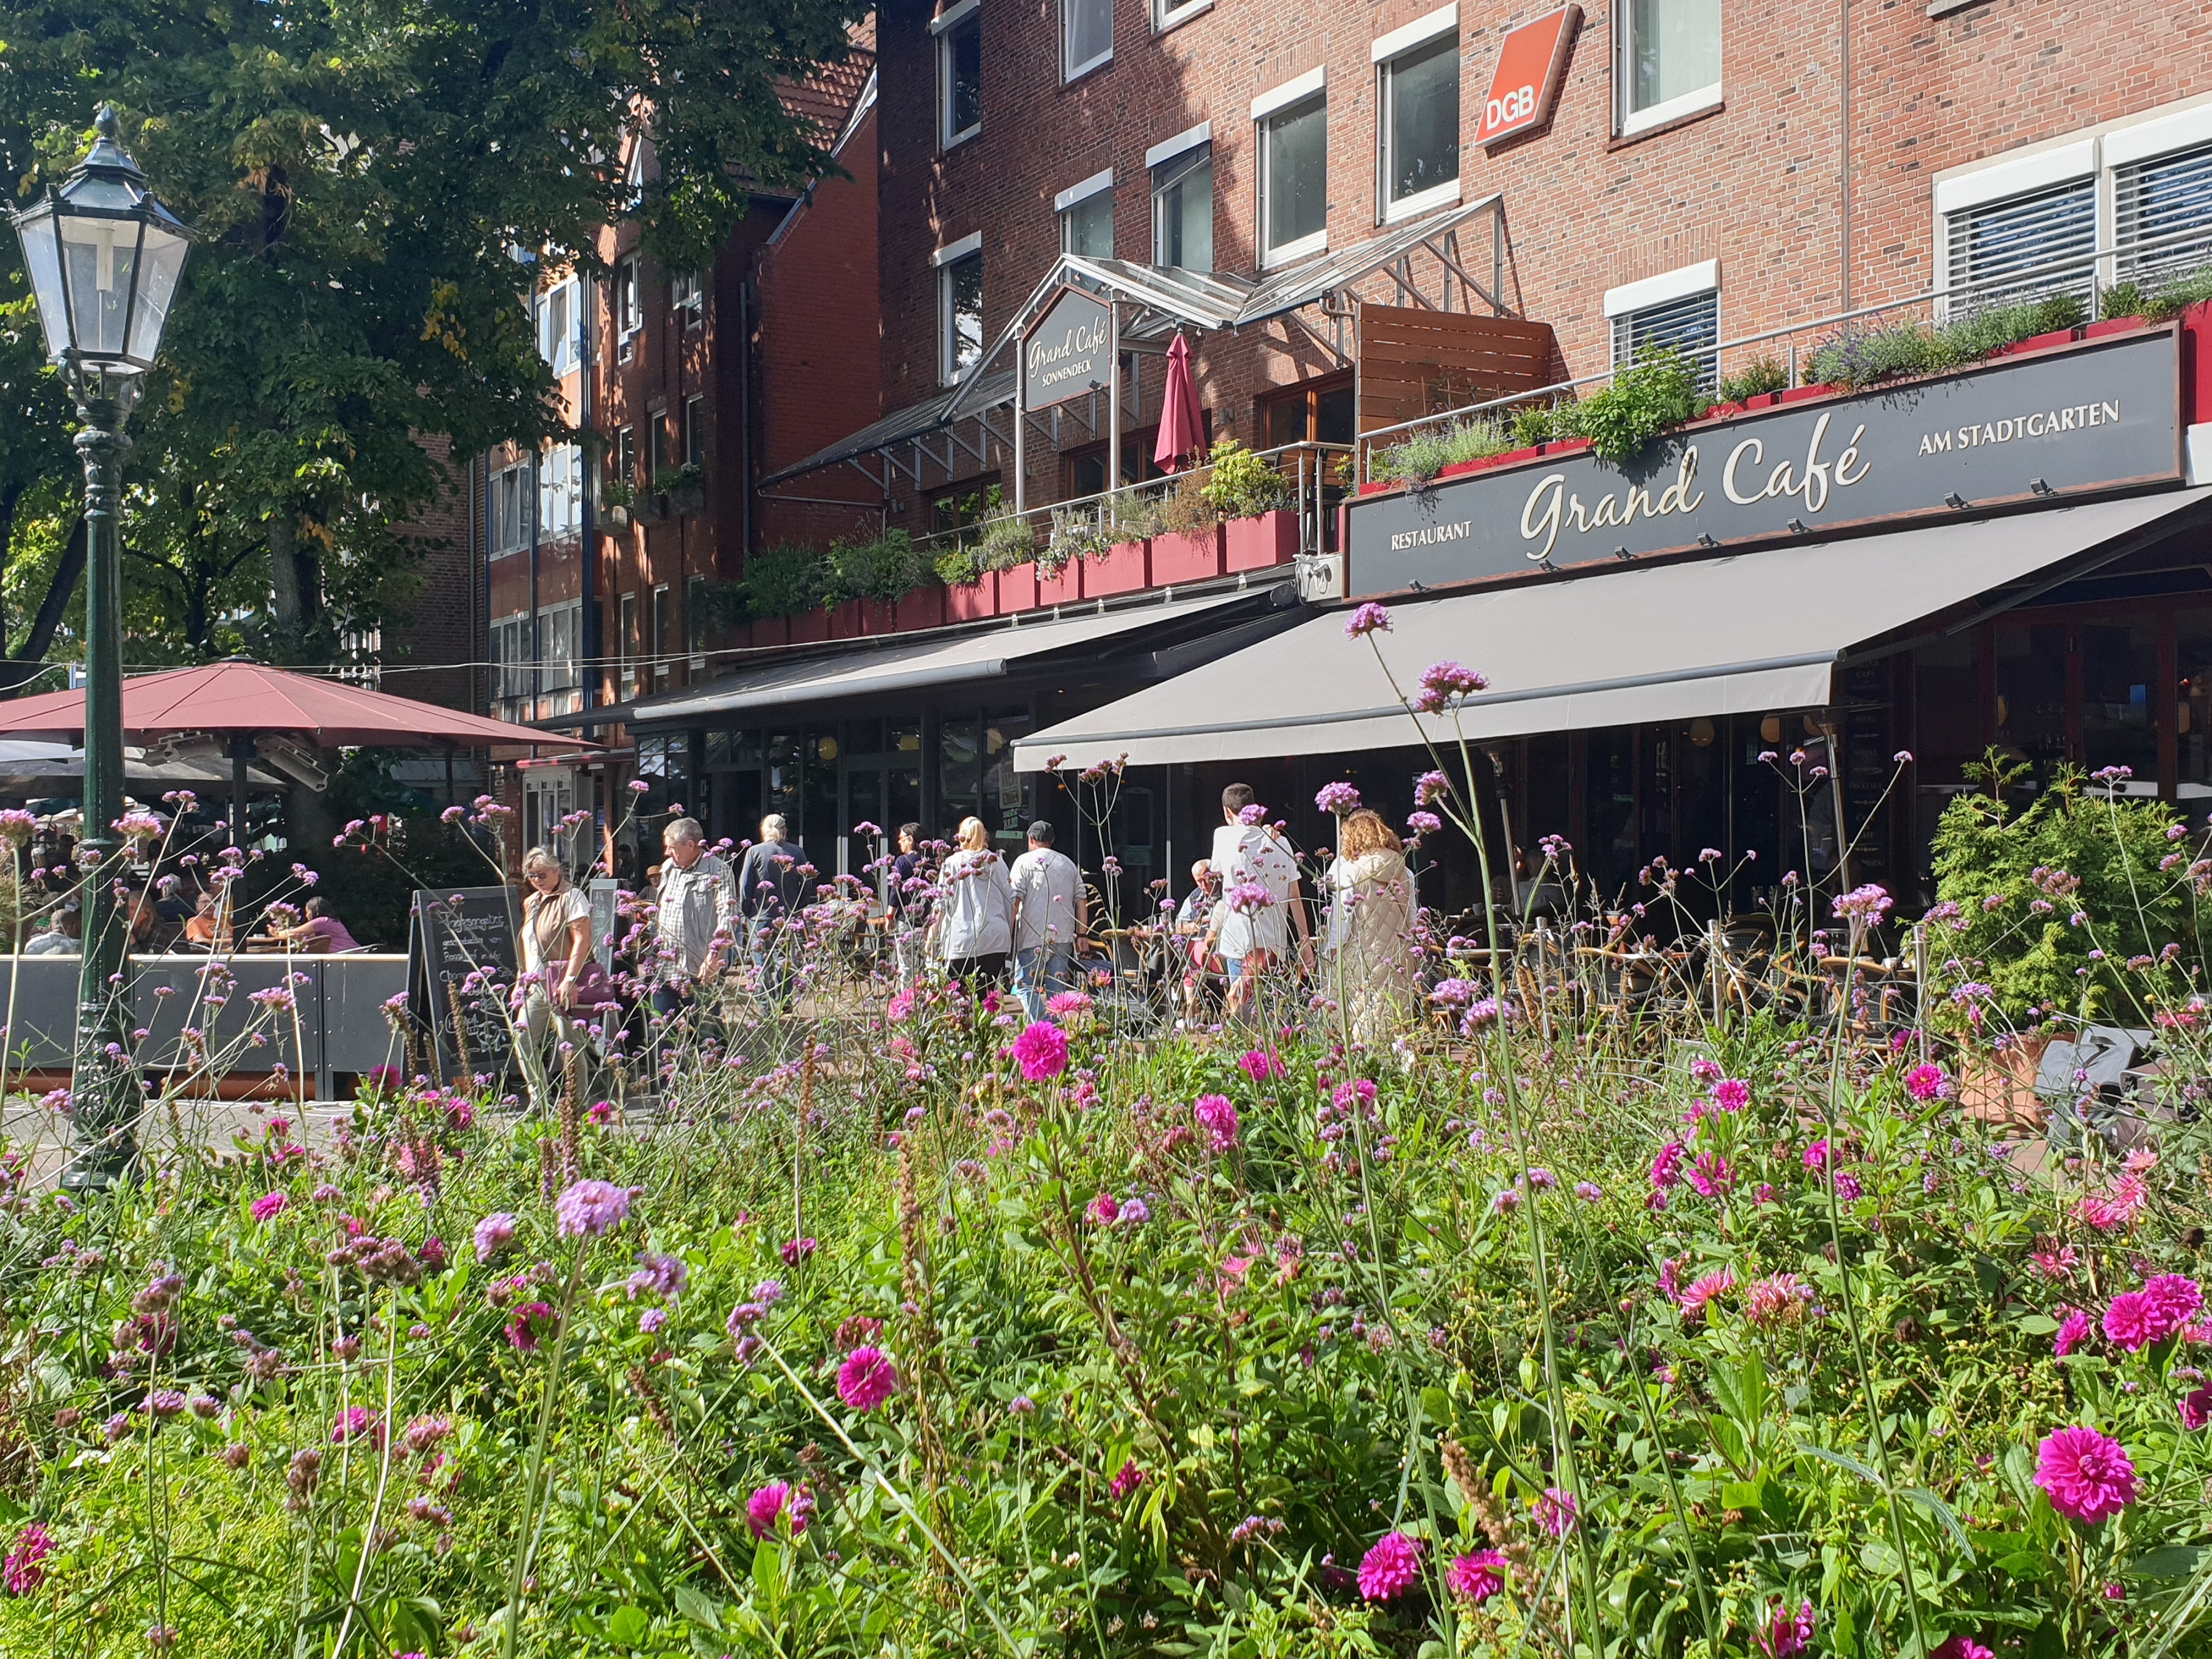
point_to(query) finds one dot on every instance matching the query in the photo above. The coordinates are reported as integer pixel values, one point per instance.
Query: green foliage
(1644, 399)
(1423, 455)
(960, 566)
(885, 567)
(1241, 484)
(678, 479)
(782, 581)
(617, 492)
(1005, 541)
(2020, 877)
(1539, 423)
(2171, 298)
(1859, 358)
(1755, 380)
(374, 891)
(1078, 533)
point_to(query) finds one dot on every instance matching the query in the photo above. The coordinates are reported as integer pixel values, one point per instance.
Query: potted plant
(687, 488)
(1185, 534)
(616, 495)
(1005, 546)
(1259, 529)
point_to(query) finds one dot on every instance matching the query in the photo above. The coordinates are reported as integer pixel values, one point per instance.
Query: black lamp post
(104, 257)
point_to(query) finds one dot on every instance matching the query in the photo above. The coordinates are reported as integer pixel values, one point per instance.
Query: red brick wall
(429, 653)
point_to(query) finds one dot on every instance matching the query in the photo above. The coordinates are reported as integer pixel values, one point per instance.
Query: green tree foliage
(365, 179)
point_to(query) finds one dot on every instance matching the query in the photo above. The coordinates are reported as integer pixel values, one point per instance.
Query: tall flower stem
(527, 1523)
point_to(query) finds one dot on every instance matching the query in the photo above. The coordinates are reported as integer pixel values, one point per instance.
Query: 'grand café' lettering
(1067, 353)
(1904, 453)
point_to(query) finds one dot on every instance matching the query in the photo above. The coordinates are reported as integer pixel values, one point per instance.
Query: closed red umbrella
(1182, 426)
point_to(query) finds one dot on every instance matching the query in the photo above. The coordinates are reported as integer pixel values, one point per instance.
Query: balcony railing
(2148, 264)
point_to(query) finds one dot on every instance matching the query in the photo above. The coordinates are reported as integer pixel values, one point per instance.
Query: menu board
(461, 970)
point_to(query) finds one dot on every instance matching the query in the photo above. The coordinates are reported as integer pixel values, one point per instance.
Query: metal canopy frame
(1443, 262)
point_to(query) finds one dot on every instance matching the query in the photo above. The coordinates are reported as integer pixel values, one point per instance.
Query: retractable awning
(1743, 635)
(1165, 628)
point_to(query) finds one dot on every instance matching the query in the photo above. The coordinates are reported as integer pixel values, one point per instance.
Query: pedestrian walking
(1050, 911)
(772, 885)
(1262, 900)
(696, 920)
(1368, 946)
(972, 932)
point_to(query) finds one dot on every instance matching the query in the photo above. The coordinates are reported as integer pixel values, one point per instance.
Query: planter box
(1565, 446)
(810, 627)
(973, 601)
(1263, 542)
(1798, 394)
(1066, 588)
(772, 630)
(688, 502)
(1018, 588)
(615, 517)
(2000, 1088)
(1123, 570)
(649, 508)
(922, 608)
(1186, 558)
(2113, 325)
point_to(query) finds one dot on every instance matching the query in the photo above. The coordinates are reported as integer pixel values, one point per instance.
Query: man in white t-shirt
(1262, 900)
(1048, 912)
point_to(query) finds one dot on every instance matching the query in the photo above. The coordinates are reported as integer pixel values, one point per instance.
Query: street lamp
(104, 257)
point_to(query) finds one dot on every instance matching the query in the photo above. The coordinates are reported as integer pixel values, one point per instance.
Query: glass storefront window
(2031, 712)
(958, 780)
(2119, 667)
(782, 794)
(822, 822)
(2192, 703)
(1002, 785)
(1609, 810)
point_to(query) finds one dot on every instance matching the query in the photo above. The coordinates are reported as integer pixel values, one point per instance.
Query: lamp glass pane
(42, 254)
(162, 262)
(97, 259)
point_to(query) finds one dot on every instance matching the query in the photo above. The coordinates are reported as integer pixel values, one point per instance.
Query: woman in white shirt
(973, 929)
(556, 943)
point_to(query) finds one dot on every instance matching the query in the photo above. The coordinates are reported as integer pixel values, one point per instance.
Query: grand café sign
(2102, 415)
(1065, 355)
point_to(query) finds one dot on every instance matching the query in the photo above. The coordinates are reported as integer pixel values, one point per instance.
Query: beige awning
(1743, 635)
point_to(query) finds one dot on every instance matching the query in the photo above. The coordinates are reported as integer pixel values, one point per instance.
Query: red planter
(878, 617)
(922, 608)
(973, 601)
(1018, 588)
(2112, 325)
(1798, 394)
(845, 621)
(1125, 568)
(1066, 588)
(1186, 558)
(1259, 543)
(811, 628)
(771, 630)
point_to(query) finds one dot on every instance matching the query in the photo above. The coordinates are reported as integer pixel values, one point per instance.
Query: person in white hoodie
(1262, 899)
(1049, 907)
(972, 932)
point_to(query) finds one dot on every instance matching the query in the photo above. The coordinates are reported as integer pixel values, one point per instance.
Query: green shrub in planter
(617, 492)
(1644, 400)
(1859, 358)
(690, 476)
(883, 569)
(1422, 456)
(1537, 424)
(1005, 541)
(2019, 878)
(1077, 534)
(960, 567)
(785, 581)
(1241, 484)
(1754, 380)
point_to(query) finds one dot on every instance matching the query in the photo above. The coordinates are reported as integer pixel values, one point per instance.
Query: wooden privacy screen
(1414, 361)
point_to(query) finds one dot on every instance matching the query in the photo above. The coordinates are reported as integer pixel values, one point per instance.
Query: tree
(372, 184)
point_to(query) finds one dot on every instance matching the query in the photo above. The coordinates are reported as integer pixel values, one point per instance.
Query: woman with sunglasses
(556, 942)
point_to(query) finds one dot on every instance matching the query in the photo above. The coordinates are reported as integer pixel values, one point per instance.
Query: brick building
(1361, 218)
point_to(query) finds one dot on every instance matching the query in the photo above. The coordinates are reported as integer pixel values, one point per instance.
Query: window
(1679, 311)
(506, 502)
(624, 456)
(663, 640)
(2031, 243)
(1420, 126)
(2162, 215)
(561, 490)
(694, 431)
(628, 307)
(1670, 60)
(694, 619)
(686, 295)
(1086, 36)
(627, 644)
(556, 327)
(1166, 14)
(959, 73)
(1182, 209)
(1317, 412)
(1293, 143)
(959, 308)
(1086, 216)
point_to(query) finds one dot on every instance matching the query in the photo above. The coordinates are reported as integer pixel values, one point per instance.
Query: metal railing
(1315, 478)
(2089, 276)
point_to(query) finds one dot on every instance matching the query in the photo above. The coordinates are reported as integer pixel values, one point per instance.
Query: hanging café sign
(2100, 416)
(1065, 355)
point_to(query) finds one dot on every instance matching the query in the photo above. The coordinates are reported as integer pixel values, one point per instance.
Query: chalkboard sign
(605, 918)
(453, 936)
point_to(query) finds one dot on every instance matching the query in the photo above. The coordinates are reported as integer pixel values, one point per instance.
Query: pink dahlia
(1040, 1050)
(2087, 1474)
(1127, 1479)
(24, 1572)
(2073, 1330)
(1927, 1083)
(1667, 1167)
(1775, 1299)
(1259, 1065)
(774, 1500)
(2131, 1320)
(1731, 1094)
(1476, 1577)
(1391, 1564)
(1712, 1174)
(269, 1205)
(530, 1324)
(1217, 1117)
(2195, 1409)
(1962, 1647)
(1556, 1511)
(1784, 1634)
(866, 1379)
(1695, 1299)
(1105, 1209)
(2175, 1299)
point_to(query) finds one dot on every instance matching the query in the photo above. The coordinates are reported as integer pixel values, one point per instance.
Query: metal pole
(1021, 435)
(242, 751)
(105, 1089)
(1113, 407)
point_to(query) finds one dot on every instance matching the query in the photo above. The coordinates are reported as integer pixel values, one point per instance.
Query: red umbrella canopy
(247, 698)
(1182, 426)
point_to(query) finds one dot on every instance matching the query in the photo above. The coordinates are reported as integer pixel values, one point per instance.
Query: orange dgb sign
(1526, 80)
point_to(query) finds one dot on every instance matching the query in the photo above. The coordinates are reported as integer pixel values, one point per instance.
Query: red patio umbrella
(1182, 426)
(245, 700)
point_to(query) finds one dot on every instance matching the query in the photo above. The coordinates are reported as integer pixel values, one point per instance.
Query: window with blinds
(1690, 327)
(2023, 247)
(2162, 215)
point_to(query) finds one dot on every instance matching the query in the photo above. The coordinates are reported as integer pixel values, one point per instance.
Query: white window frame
(944, 27)
(1070, 71)
(508, 499)
(1627, 123)
(561, 490)
(1074, 196)
(693, 432)
(1631, 300)
(1275, 101)
(1169, 14)
(948, 370)
(1385, 53)
(560, 352)
(629, 307)
(688, 293)
(657, 624)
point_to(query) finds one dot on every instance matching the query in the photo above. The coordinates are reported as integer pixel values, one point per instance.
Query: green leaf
(629, 1626)
(2168, 1561)
(699, 1608)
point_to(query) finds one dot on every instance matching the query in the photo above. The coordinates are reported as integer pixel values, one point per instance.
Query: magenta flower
(1701, 1294)
(1444, 683)
(793, 1251)
(1783, 1634)
(590, 1208)
(2130, 1320)
(2176, 1299)
(493, 1234)
(2195, 1409)
(1816, 1155)
(1712, 1174)
(866, 1379)
(1127, 1479)
(1667, 1167)
(1339, 798)
(774, 1500)
(1476, 1577)
(269, 1205)
(2087, 1474)
(529, 1325)
(1775, 1299)
(1217, 1117)
(1259, 1065)
(1731, 1094)
(1041, 1051)
(1105, 1210)
(1927, 1083)
(1368, 618)
(1556, 1510)
(1868, 904)
(2073, 1330)
(1389, 1568)
(23, 1572)
(1963, 1647)
(356, 1422)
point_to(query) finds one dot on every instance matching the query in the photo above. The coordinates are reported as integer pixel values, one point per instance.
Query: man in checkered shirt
(697, 918)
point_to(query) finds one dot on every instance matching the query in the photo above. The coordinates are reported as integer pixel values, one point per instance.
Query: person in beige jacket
(1368, 950)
